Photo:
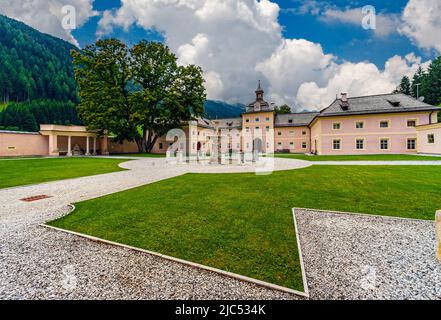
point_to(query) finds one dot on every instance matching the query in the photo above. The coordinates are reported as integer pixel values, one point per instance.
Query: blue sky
(346, 41)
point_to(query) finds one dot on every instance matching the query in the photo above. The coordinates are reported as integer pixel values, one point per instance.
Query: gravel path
(350, 256)
(39, 263)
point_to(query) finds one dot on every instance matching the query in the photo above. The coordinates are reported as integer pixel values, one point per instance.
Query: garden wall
(13, 144)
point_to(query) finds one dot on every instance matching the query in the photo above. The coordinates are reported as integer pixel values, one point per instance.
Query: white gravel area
(346, 256)
(352, 256)
(39, 263)
(379, 163)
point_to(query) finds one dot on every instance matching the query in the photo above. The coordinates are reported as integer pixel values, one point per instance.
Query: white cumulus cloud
(294, 62)
(226, 38)
(422, 23)
(358, 79)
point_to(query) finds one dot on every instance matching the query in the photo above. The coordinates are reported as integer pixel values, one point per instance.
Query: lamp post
(418, 90)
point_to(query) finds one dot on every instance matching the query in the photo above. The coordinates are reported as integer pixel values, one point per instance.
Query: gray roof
(206, 123)
(18, 132)
(294, 119)
(228, 123)
(384, 103)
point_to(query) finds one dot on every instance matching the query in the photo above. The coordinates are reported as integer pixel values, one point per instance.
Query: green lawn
(144, 155)
(367, 157)
(29, 171)
(243, 222)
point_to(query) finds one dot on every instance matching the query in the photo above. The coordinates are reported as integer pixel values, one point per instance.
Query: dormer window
(344, 105)
(394, 103)
(289, 120)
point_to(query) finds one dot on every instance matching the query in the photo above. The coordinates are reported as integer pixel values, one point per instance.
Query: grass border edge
(236, 276)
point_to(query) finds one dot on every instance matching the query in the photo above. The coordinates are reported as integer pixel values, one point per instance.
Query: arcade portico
(73, 140)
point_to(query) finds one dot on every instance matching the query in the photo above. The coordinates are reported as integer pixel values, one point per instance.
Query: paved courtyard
(40, 263)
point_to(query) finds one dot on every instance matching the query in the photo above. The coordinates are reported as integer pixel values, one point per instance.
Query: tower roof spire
(259, 88)
(259, 104)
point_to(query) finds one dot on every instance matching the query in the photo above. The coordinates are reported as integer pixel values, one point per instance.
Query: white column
(69, 146)
(53, 145)
(94, 146)
(87, 146)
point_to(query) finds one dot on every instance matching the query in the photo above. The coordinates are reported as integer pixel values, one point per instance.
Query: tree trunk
(152, 144)
(141, 142)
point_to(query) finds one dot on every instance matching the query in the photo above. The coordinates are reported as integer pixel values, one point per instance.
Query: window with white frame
(257, 120)
(247, 120)
(267, 119)
(384, 124)
(384, 144)
(359, 144)
(430, 138)
(304, 145)
(411, 144)
(291, 133)
(267, 128)
(336, 125)
(291, 144)
(336, 144)
(303, 133)
(359, 125)
(279, 133)
(160, 146)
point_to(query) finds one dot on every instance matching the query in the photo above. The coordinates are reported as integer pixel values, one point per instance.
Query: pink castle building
(377, 124)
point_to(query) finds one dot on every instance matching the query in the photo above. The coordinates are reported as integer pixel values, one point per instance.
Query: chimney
(344, 97)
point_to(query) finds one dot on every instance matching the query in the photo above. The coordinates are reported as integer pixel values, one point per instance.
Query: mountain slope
(33, 65)
(219, 109)
(37, 83)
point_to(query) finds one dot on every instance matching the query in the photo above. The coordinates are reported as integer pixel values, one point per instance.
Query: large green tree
(138, 93)
(431, 84)
(166, 94)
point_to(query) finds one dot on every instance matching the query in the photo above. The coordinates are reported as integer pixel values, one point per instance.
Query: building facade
(377, 124)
